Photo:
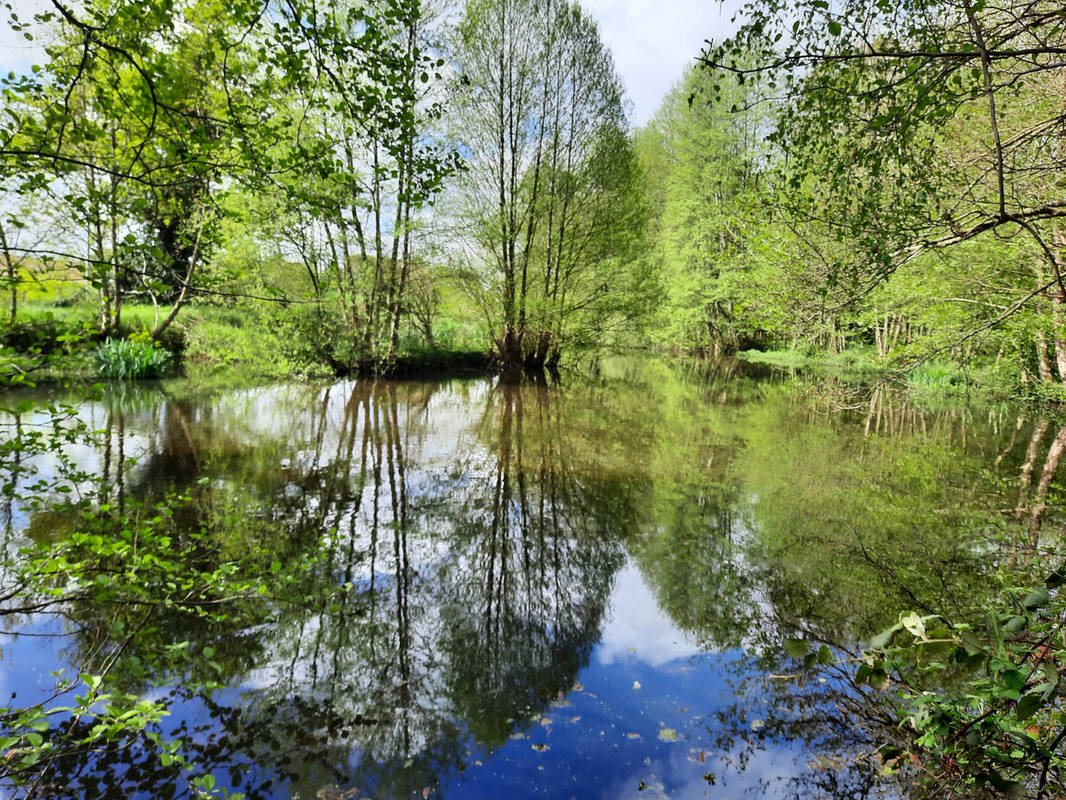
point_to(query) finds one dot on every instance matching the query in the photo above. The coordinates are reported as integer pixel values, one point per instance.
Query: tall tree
(703, 165)
(144, 114)
(912, 127)
(553, 185)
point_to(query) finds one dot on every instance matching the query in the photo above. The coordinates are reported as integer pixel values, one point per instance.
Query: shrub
(128, 359)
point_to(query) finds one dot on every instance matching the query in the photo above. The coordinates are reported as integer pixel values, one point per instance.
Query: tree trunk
(183, 295)
(1058, 301)
(12, 272)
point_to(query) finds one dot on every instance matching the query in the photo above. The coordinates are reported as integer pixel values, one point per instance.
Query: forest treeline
(344, 184)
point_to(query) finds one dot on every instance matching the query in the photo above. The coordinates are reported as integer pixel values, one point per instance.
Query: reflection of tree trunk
(356, 400)
(872, 412)
(1013, 440)
(120, 472)
(555, 477)
(372, 423)
(1051, 465)
(398, 496)
(16, 463)
(525, 539)
(501, 502)
(1025, 480)
(105, 477)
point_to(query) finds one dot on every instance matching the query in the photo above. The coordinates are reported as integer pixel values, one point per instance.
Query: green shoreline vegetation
(307, 189)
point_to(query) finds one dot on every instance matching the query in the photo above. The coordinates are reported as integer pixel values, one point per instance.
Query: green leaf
(1009, 788)
(884, 638)
(797, 648)
(1037, 598)
(879, 679)
(1028, 705)
(1014, 624)
(914, 624)
(834, 28)
(1013, 679)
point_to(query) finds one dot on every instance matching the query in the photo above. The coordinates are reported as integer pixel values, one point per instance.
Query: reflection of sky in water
(643, 713)
(637, 628)
(650, 713)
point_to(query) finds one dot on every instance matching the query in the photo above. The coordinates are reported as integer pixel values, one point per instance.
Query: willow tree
(553, 184)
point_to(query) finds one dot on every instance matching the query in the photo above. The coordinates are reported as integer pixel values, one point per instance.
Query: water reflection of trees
(539, 538)
(466, 537)
(826, 524)
(455, 595)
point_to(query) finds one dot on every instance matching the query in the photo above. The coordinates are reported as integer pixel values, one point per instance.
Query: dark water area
(570, 591)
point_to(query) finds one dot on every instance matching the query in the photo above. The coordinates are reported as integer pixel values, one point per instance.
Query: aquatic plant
(129, 359)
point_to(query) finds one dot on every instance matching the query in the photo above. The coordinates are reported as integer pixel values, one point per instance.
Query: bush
(128, 359)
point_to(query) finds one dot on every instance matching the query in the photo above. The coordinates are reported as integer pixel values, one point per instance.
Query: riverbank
(931, 379)
(55, 344)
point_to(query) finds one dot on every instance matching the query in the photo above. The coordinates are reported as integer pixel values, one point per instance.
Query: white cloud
(654, 40)
(637, 627)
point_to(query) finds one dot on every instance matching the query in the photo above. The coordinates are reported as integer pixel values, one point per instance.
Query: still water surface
(574, 591)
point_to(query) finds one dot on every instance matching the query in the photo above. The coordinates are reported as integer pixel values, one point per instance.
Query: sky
(652, 41)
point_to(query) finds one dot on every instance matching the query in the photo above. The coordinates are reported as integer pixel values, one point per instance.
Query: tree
(703, 166)
(141, 119)
(552, 180)
(350, 222)
(910, 128)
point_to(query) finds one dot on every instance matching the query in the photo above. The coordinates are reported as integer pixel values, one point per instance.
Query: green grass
(224, 339)
(252, 340)
(853, 360)
(937, 376)
(790, 359)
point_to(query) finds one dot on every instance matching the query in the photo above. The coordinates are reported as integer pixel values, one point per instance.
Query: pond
(539, 591)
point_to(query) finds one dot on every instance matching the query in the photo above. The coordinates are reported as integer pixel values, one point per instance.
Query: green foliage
(32, 737)
(132, 573)
(130, 359)
(141, 125)
(854, 361)
(1002, 725)
(137, 562)
(936, 376)
(567, 268)
(910, 155)
(245, 338)
(702, 166)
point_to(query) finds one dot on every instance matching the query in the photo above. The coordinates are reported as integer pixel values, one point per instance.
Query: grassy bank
(57, 340)
(926, 380)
